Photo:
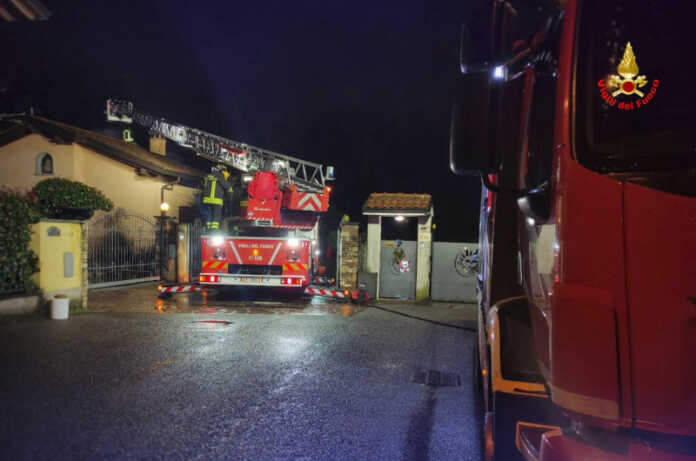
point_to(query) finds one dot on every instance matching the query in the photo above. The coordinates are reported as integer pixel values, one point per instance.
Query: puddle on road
(210, 324)
(197, 304)
(223, 323)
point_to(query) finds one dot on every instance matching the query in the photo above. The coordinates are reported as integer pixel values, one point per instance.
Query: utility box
(57, 244)
(368, 281)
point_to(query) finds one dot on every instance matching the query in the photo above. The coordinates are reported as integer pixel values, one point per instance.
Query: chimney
(158, 145)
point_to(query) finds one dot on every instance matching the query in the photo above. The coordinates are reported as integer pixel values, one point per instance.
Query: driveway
(233, 379)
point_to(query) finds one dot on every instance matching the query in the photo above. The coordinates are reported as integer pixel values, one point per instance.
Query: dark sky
(362, 85)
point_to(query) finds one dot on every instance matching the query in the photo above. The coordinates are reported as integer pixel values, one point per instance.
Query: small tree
(62, 198)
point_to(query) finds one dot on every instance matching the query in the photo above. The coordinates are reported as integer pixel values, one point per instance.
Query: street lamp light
(164, 206)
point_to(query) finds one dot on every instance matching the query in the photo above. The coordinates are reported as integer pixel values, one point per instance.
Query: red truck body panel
(256, 261)
(660, 241)
(621, 314)
(306, 201)
(267, 200)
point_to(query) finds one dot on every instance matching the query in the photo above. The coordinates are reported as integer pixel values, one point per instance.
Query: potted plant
(65, 199)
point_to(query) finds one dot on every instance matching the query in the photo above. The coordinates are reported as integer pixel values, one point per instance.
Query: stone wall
(350, 247)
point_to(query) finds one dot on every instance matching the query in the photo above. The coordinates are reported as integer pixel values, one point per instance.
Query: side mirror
(475, 45)
(470, 130)
(536, 204)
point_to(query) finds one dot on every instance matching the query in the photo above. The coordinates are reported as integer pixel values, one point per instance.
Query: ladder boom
(244, 157)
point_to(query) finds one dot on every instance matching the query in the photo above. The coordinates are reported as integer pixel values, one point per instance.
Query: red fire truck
(274, 243)
(579, 117)
(257, 261)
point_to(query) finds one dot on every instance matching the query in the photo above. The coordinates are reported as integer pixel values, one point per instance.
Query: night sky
(362, 85)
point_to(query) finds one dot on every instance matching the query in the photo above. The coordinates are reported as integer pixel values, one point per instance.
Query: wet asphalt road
(321, 383)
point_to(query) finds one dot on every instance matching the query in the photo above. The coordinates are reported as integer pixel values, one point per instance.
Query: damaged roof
(117, 149)
(379, 202)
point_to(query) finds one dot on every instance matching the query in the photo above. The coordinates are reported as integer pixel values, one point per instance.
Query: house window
(44, 164)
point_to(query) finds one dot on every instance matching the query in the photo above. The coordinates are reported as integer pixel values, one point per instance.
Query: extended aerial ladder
(306, 176)
(284, 182)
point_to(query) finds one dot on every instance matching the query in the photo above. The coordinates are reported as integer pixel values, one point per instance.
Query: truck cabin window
(635, 93)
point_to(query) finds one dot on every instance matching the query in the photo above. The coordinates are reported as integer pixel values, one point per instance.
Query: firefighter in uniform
(215, 187)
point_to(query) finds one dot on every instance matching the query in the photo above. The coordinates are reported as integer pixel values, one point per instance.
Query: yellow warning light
(255, 251)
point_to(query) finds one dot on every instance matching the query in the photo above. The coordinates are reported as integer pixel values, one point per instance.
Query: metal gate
(397, 269)
(455, 267)
(123, 249)
(194, 249)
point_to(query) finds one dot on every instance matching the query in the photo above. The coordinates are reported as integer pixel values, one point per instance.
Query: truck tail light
(209, 278)
(291, 281)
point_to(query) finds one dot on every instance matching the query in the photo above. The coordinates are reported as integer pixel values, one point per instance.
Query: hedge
(18, 210)
(57, 196)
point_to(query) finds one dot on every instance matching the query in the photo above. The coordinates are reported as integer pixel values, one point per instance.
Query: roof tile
(397, 202)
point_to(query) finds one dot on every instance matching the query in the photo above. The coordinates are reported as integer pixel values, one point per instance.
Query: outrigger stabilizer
(358, 296)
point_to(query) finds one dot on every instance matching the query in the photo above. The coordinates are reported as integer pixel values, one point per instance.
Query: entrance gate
(397, 274)
(455, 267)
(123, 249)
(194, 249)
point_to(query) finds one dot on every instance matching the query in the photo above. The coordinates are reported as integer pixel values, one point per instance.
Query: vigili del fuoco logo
(627, 91)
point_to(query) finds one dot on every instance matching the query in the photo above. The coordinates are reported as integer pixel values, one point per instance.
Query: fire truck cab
(579, 117)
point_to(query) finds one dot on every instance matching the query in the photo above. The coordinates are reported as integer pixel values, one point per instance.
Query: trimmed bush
(61, 198)
(18, 210)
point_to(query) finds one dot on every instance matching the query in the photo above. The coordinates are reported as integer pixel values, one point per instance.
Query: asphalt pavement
(231, 379)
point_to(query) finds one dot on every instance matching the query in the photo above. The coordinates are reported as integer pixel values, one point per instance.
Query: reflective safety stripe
(211, 197)
(215, 265)
(212, 224)
(295, 267)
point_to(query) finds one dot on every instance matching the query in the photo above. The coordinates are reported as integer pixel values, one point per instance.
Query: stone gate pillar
(374, 238)
(425, 248)
(350, 246)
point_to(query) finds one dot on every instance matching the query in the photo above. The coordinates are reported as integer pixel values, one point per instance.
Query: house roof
(392, 203)
(128, 153)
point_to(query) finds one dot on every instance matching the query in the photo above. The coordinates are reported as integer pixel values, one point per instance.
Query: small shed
(400, 206)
